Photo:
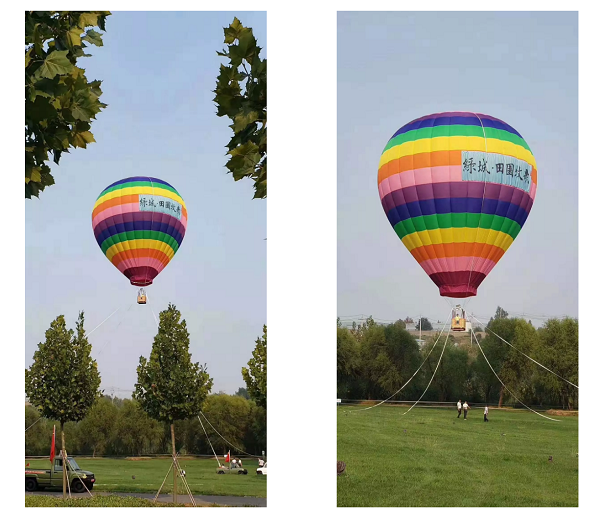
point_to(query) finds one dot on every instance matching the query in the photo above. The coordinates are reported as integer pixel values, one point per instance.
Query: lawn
(117, 475)
(96, 501)
(429, 458)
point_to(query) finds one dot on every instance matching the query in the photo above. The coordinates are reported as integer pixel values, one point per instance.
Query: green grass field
(428, 458)
(96, 501)
(115, 475)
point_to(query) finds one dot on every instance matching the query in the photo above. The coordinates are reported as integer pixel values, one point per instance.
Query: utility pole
(420, 326)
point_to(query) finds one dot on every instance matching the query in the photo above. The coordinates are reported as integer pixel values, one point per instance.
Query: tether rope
(415, 373)
(503, 384)
(40, 418)
(433, 375)
(228, 442)
(115, 330)
(208, 438)
(527, 356)
(153, 314)
(88, 334)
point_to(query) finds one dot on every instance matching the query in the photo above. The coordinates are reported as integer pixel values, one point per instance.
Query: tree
(99, 425)
(423, 324)
(255, 375)
(558, 350)
(241, 95)
(348, 361)
(500, 313)
(63, 381)
(59, 100)
(170, 387)
(243, 392)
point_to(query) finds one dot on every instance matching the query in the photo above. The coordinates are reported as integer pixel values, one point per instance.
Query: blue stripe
(155, 226)
(438, 120)
(132, 179)
(457, 205)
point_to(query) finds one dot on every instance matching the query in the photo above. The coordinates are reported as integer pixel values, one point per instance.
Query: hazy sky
(158, 70)
(518, 67)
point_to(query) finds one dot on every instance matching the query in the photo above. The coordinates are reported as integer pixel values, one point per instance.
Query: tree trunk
(174, 467)
(501, 397)
(64, 459)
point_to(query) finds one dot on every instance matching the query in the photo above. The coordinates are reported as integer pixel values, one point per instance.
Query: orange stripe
(139, 253)
(534, 175)
(457, 249)
(116, 201)
(423, 160)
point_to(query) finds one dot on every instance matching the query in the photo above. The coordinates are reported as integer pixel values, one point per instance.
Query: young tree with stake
(63, 382)
(170, 387)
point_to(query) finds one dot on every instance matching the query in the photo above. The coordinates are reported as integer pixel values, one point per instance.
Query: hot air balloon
(457, 188)
(139, 224)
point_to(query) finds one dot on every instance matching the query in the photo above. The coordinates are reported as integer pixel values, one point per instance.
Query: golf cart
(262, 471)
(231, 469)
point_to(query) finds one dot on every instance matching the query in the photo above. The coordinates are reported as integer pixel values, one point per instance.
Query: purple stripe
(456, 118)
(458, 189)
(163, 218)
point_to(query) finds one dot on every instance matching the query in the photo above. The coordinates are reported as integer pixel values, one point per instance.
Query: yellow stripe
(472, 143)
(450, 235)
(140, 243)
(136, 190)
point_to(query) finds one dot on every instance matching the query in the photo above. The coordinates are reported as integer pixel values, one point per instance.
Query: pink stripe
(533, 191)
(125, 208)
(115, 210)
(452, 264)
(141, 262)
(420, 176)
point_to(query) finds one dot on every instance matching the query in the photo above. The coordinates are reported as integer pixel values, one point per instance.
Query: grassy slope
(429, 458)
(115, 475)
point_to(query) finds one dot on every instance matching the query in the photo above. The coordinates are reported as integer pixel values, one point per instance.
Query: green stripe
(458, 220)
(138, 183)
(455, 130)
(139, 234)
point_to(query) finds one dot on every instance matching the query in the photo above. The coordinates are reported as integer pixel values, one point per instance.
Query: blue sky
(158, 70)
(520, 67)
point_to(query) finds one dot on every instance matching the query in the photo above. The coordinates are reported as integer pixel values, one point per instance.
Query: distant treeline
(115, 427)
(374, 361)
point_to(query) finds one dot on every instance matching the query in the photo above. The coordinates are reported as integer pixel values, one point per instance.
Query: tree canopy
(255, 375)
(60, 102)
(241, 95)
(170, 386)
(63, 382)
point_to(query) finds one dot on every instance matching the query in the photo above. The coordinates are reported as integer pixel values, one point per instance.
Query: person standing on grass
(465, 408)
(459, 407)
(485, 413)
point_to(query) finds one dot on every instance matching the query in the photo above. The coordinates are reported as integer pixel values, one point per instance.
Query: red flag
(27, 465)
(52, 448)
(227, 458)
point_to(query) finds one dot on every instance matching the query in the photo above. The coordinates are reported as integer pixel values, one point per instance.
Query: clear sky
(158, 70)
(519, 67)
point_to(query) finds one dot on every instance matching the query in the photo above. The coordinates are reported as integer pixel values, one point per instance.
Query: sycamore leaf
(82, 139)
(55, 63)
(74, 37)
(28, 56)
(94, 37)
(87, 19)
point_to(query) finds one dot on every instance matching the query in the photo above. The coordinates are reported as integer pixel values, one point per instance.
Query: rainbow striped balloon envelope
(139, 223)
(457, 187)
